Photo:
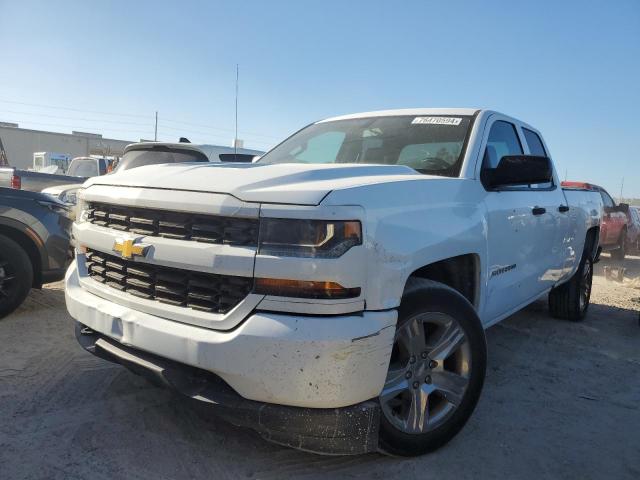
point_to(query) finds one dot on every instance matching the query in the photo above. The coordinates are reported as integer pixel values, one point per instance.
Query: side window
(503, 140)
(607, 200)
(321, 149)
(535, 144)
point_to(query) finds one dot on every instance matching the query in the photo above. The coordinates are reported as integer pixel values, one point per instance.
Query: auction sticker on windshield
(437, 121)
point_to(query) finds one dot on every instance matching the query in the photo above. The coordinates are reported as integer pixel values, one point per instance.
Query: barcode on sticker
(437, 121)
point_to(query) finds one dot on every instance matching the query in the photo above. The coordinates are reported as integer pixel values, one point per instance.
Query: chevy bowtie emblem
(128, 248)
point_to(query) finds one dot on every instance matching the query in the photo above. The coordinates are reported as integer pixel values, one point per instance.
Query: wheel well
(30, 247)
(592, 241)
(459, 273)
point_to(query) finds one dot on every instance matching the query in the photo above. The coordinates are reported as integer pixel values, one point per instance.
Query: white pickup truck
(333, 296)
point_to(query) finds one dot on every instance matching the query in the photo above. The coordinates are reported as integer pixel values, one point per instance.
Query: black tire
(620, 252)
(569, 301)
(425, 296)
(16, 275)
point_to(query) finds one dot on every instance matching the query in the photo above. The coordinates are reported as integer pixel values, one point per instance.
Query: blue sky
(572, 69)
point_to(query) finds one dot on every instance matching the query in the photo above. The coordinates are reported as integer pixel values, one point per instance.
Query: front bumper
(334, 431)
(296, 360)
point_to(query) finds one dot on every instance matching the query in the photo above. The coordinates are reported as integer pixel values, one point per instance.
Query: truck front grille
(176, 225)
(201, 291)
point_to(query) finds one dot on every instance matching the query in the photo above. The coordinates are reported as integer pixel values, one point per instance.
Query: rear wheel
(16, 275)
(436, 371)
(571, 300)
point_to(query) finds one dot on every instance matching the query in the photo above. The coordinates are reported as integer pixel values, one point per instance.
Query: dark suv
(34, 244)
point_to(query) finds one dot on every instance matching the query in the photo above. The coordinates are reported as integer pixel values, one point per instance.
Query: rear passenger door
(511, 235)
(553, 226)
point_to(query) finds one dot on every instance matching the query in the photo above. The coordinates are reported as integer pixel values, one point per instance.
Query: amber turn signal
(304, 289)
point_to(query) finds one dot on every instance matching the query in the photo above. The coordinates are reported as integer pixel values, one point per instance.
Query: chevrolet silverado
(333, 295)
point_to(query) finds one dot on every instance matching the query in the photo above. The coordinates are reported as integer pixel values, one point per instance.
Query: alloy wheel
(585, 285)
(428, 373)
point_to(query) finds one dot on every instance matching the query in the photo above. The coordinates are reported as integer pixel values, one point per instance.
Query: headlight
(81, 207)
(68, 197)
(286, 237)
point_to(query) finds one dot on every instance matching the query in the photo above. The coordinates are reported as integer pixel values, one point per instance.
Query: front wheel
(436, 371)
(16, 275)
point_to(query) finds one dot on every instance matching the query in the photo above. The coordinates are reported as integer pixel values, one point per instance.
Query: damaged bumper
(285, 359)
(334, 431)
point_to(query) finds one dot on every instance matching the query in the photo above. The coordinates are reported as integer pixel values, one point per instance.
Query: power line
(209, 134)
(149, 117)
(120, 122)
(74, 109)
(87, 127)
(221, 129)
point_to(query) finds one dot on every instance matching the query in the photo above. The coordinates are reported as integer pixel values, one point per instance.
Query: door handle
(539, 210)
(563, 208)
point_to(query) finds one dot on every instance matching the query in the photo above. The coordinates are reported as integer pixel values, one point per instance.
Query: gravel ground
(561, 400)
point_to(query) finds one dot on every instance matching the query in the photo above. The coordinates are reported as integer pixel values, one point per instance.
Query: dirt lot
(562, 400)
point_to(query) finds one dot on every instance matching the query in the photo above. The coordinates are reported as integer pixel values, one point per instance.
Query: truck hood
(300, 184)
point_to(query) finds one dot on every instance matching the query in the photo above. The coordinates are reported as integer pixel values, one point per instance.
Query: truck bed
(34, 181)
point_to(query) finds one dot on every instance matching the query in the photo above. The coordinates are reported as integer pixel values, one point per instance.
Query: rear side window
(84, 168)
(607, 200)
(535, 144)
(503, 140)
(159, 155)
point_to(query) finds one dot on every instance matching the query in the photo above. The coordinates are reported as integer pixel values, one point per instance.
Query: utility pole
(621, 187)
(235, 140)
(565, 174)
(155, 135)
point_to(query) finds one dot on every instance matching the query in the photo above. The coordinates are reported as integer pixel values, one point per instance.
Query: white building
(21, 143)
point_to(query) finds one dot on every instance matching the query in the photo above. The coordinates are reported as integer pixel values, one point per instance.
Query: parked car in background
(633, 232)
(155, 153)
(34, 244)
(615, 220)
(80, 169)
(334, 294)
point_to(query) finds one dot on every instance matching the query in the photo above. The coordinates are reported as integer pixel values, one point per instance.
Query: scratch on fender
(375, 334)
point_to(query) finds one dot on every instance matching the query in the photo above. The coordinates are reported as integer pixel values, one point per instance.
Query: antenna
(235, 140)
(621, 187)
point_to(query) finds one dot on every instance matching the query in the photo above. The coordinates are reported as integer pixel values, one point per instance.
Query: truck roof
(580, 185)
(406, 111)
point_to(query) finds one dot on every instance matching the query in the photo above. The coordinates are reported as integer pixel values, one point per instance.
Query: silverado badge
(128, 248)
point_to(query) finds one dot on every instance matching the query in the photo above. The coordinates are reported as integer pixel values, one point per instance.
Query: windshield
(432, 144)
(158, 155)
(84, 168)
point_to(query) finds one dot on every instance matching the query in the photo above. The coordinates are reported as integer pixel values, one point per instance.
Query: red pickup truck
(615, 220)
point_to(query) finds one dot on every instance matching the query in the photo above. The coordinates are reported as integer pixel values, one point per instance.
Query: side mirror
(623, 207)
(519, 170)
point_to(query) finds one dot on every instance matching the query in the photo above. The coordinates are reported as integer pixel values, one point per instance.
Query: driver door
(515, 242)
